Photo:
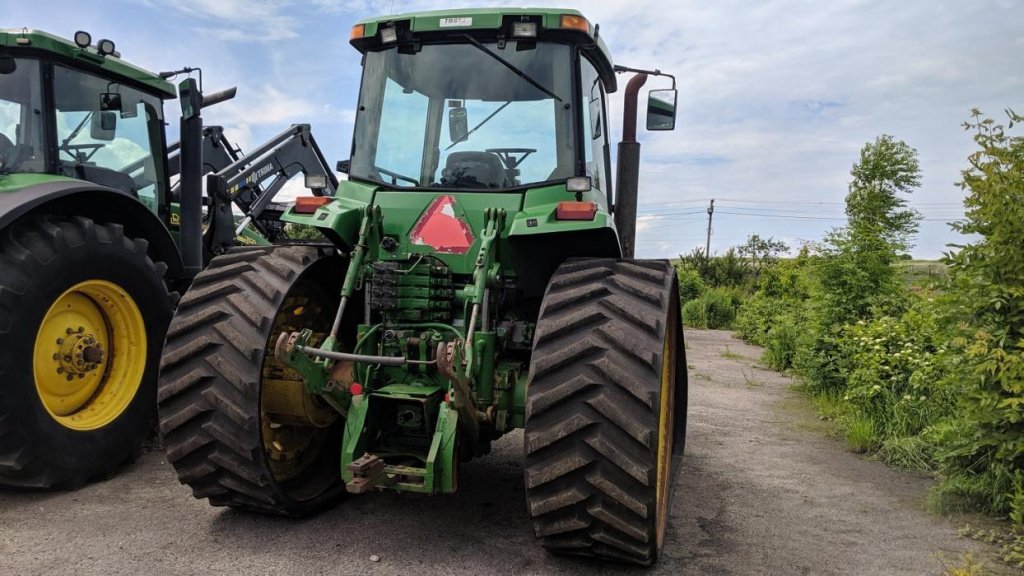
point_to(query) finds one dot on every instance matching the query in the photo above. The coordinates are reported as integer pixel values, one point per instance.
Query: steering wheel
(508, 155)
(395, 176)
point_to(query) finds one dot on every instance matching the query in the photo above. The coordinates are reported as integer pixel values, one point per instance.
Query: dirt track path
(762, 492)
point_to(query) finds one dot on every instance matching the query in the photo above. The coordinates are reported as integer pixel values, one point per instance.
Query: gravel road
(763, 491)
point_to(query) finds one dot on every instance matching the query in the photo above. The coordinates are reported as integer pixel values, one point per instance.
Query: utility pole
(707, 246)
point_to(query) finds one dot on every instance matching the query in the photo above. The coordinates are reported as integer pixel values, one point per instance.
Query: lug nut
(70, 377)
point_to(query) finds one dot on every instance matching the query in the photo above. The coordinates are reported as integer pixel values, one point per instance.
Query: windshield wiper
(511, 67)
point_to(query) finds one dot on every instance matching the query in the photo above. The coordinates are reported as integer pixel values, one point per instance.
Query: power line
(785, 216)
(791, 202)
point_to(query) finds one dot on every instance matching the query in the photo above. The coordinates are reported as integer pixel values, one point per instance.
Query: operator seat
(474, 170)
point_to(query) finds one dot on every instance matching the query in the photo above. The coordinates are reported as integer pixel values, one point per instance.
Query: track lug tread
(591, 437)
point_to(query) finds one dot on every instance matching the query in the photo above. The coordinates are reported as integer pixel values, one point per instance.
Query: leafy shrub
(987, 312)
(715, 308)
(782, 342)
(757, 316)
(691, 285)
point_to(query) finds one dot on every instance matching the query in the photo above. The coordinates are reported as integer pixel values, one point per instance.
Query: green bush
(986, 313)
(782, 342)
(691, 285)
(715, 308)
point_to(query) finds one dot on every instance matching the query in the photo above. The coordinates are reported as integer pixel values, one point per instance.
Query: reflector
(441, 229)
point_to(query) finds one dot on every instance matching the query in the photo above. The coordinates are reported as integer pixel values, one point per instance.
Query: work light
(524, 29)
(105, 47)
(83, 39)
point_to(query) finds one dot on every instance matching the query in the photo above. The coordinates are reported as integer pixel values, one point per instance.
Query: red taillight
(575, 210)
(355, 389)
(309, 204)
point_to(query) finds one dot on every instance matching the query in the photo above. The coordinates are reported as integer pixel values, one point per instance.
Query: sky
(776, 98)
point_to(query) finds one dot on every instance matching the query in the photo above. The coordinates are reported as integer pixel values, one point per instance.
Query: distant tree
(761, 252)
(876, 204)
(856, 272)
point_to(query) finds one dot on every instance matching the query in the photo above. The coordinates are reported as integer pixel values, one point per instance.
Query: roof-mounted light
(358, 31)
(389, 35)
(105, 47)
(83, 39)
(524, 29)
(575, 22)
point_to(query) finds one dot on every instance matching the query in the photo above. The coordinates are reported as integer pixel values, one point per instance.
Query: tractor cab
(80, 112)
(460, 104)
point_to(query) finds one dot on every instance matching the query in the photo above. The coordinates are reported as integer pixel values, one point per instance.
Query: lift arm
(251, 182)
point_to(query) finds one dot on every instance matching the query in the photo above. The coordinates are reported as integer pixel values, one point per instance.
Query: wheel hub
(90, 355)
(79, 353)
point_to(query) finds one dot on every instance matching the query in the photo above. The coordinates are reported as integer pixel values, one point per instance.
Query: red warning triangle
(441, 229)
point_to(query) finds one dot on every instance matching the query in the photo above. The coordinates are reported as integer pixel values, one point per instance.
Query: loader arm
(252, 181)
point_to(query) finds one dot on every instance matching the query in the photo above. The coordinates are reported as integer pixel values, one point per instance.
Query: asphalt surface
(763, 491)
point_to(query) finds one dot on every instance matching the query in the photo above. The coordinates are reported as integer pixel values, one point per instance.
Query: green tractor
(97, 238)
(479, 277)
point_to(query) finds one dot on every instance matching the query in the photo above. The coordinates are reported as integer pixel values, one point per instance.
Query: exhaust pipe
(627, 175)
(191, 158)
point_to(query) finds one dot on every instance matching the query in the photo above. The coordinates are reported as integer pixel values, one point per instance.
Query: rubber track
(208, 396)
(27, 245)
(592, 408)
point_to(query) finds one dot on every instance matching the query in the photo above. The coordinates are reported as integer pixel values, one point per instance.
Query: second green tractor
(477, 277)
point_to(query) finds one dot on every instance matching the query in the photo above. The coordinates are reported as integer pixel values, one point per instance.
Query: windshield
(21, 133)
(454, 116)
(107, 132)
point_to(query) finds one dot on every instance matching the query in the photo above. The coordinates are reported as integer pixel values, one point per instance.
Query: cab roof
(23, 39)
(438, 24)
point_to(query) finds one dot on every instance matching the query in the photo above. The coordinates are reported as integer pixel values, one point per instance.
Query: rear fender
(67, 197)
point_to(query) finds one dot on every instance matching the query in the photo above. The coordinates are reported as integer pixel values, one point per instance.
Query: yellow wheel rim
(666, 425)
(90, 355)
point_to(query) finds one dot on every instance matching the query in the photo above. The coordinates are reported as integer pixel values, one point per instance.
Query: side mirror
(103, 126)
(343, 166)
(458, 124)
(661, 110)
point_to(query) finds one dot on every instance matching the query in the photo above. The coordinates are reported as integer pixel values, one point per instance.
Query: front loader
(478, 278)
(96, 240)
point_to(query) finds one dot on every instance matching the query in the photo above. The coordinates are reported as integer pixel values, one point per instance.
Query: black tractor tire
(606, 409)
(72, 270)
(219, 346)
